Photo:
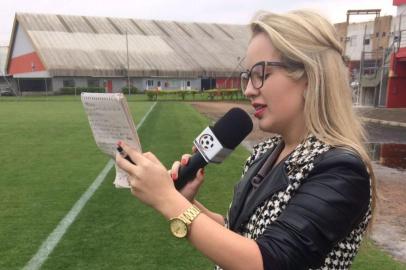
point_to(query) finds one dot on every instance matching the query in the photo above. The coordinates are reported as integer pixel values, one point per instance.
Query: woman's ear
(305, 90)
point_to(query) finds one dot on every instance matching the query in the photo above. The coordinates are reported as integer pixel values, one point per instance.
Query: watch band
(190, 214)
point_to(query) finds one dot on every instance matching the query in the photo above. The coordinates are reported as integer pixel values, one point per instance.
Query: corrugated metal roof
(96, 46)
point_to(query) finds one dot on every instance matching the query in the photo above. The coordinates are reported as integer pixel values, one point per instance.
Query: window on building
(377, 34)
(383, 34)
(159, 84)
(150, 82)
(353, 41)
(367, 41)
(93, 83)
(68, 83)
(369, 64)
(188, 83)
(166, 84)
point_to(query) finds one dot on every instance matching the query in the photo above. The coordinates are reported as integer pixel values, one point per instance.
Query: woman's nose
(250, 90)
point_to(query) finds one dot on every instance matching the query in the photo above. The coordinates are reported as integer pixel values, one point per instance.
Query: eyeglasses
(257, 74)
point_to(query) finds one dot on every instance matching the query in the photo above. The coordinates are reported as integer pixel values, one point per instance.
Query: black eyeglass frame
(247, 73)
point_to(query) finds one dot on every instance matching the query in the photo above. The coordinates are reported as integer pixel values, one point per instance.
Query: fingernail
(174, 176)
(202, 171)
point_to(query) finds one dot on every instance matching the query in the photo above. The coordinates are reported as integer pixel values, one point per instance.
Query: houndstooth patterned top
(298, 165)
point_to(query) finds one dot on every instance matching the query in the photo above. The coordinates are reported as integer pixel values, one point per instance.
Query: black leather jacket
(331, 201)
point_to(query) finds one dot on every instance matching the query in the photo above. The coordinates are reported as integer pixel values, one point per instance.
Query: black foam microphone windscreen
(232, 128)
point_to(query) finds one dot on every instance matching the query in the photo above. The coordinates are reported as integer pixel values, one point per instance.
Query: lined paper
(111, 121)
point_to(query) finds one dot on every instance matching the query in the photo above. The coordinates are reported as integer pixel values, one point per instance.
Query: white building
(49, 52)
(355, 39)
(3, 57)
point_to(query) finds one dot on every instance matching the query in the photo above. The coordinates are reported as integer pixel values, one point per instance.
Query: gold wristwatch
(179, 225)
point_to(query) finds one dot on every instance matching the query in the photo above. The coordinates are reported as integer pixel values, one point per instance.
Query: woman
(305, 197)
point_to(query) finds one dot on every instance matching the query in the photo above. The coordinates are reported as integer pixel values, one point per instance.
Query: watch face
(178, 228)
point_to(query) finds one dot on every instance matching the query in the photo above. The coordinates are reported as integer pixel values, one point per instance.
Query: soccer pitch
(49, 159)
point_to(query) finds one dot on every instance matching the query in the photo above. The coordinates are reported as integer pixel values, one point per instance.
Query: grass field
(49, 158)
(200, 96)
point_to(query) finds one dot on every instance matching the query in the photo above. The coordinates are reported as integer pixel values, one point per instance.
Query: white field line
(53, 239)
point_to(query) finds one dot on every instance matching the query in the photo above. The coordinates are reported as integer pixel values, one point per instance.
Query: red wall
(227, 83)
(396, 94)
(399, 2)
(25, 63)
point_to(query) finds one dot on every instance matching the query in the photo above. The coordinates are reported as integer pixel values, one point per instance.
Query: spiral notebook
(111, 121)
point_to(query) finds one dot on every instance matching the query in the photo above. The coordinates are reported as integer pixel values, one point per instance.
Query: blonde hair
(308, 46)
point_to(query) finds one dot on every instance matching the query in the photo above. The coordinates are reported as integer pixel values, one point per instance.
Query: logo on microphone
(206, 141)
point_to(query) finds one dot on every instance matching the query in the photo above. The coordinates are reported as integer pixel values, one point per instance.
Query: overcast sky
(222, 11)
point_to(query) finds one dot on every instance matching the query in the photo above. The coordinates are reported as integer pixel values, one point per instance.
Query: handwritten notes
(111, 121)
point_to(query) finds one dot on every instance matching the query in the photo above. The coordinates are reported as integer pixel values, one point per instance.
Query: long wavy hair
(309, 47)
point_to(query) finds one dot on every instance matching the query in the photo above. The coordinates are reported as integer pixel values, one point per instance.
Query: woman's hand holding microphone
(190, 190)
(152, 184)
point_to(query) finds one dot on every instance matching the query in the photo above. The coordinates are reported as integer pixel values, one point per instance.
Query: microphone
(215, 143)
